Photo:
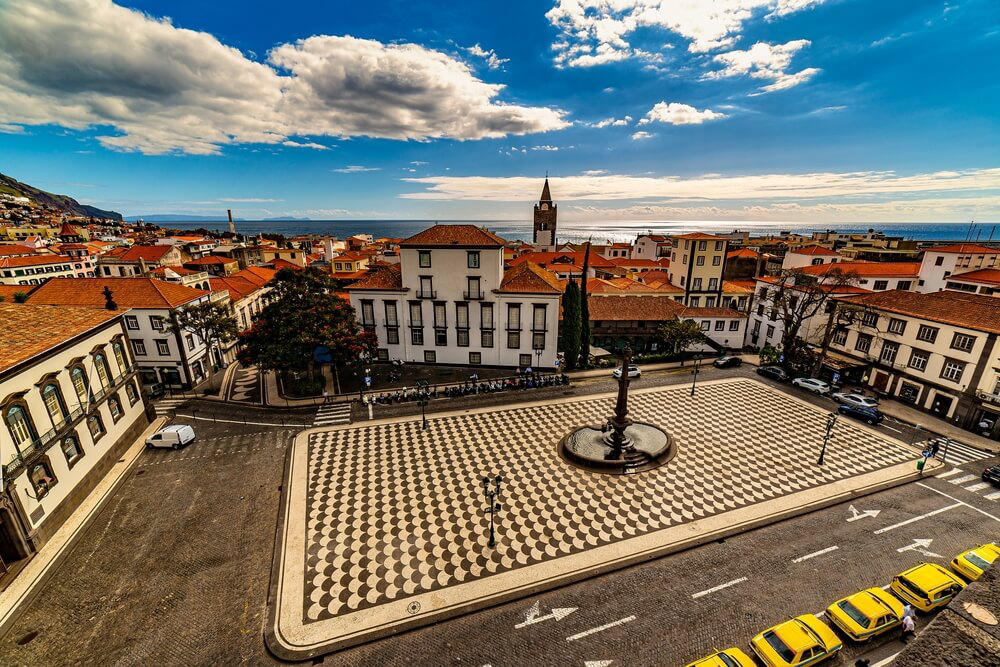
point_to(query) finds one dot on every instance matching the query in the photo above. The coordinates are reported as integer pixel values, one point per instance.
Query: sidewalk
(936, 426)
(15, 597)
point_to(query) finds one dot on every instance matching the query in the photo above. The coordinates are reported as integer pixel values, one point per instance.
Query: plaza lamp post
(831, 419)
(694, 374)
(423, 396)
(491, 491)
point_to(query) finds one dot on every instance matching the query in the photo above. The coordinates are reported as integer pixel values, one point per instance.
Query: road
(175, 569)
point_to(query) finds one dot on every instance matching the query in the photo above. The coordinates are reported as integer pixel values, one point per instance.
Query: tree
(584, 359)
(20, 297)
(571, 324)
(304, 313)
(679, 335)
(211, 321)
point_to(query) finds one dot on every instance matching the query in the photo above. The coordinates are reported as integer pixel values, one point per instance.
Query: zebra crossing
(166, 406)
(331, 414)
(971, 483)
(959, 453)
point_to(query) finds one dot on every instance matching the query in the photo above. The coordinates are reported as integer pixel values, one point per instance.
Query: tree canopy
(211, 321)
(571, 324)
(679, 335)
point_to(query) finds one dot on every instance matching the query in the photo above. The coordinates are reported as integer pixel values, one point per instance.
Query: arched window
(54, 403)
(96, 427)
(132, 394)
(71, 449)
(41, 478)
(79, 379)
(103, 374)
(20, 426)
(115, 407)
(120, 356)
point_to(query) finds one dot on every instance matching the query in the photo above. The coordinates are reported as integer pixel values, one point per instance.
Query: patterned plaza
(384, 527)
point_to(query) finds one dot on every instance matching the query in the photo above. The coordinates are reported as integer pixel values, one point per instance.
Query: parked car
(774, 372)
(857, 400)
(972, 563)
(867, 613)
(633, 372)
(803, 640)
(814, 385)
(176, 436)
(992, 475)
(730, 657)
(926, 586)
(867, 415)
(153, 390)
(727, 362)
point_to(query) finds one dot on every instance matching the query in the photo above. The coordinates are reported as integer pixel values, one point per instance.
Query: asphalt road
(175, 568)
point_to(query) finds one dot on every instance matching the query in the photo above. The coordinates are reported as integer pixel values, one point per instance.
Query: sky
(813, 111)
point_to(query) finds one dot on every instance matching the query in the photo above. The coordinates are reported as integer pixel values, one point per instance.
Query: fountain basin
(648, 446)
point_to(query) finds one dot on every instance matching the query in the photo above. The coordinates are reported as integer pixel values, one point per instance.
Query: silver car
(857, 400)
(812, 384)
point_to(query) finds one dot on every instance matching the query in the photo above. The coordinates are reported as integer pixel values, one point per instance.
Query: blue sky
(769, 110)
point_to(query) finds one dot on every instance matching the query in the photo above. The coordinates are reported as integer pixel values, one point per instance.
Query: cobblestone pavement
(246, 385)
(392, 512)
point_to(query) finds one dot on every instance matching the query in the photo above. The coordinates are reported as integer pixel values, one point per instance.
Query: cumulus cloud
(493, 61)
(595, 32)
(613, 122)
(679, 114)
(8, 128)
(305, 144)
(764, 61)
(91, 63)
(788, 81)
(546, 148)
(639, 136)
(355, 169)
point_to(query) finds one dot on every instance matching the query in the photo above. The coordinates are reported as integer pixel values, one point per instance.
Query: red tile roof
(984, 276)
(964, 249)
(238, 287)
(554, 260)
(900, 269)
(529, 278)
(16, 250)
(971, 311)
(454, 235)
(712, 312)
(9, 291)
(179, 270)
(832, 289)
(280, 264)
(149, 253)
(700, 236)
(636, 263)
(258, 275)
(381, 277)
(136, 292)
(28, 330)
(814, 250)
(743, 253)
(634, 308)
(34, 260)
(738, 286)
(210, 260)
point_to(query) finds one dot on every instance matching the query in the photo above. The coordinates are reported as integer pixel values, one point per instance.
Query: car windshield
(854, 613)
(977, 561)
(727, 661)
(912, 587)
(780, 647)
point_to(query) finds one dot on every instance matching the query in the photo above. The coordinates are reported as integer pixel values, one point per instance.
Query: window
(939, 261)
(734, 325)
(486, 316)
(702, 245)
(927, 334)
(717, 260)
(382, 354)
(897, 326)
(840, 336)
(440, 316)
(425, 258)
(461, 316)
(513, 339)
(156, 322)
(475, 358)
(101, 364)
(538, 317)
(139, 347)
(430, 356)
(760, 309)
(368, 313)
(131, 393)
(473, 258)
(763, 293)
(963, 342)
(705, 324)
(416, 315)
(472, 291)
(952, 370)
(120, 356)
(918, 359)
(463, 338)
(880, 285)
(524, 360)
(392, 335)
(391, 316)
(864, 343)
(79, 384)
(71, 449)
(131, 321)
(718, 246)
(869, 319)
(769, 332)
(696, 283)
(54, 404)
(417, 336)
(440, 337)
(700, 260)
(904, 285)
(426, 288)
(710, 302)
(695, 302)
(888, 354)
(115, 407)
(514, 317)
(95, 426)
(756, 328)
(190, 341)
(163, 347)
(713, 283)
(487, 338)
(41, 478)
(720, 325)
(20, 426)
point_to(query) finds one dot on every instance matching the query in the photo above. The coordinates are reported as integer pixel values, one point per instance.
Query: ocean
(598, 232)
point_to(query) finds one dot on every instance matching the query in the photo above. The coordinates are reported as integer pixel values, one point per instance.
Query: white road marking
(920, 546)
(977, 487)
(815, 553)
(587, 633)
(916, 518)
(983, 512)
(891, 428)
(949, 473)
(532, 616)
(885, 661)
(695, 596)
(597, 663)
(963, 479)
(992, 496)
(240, 421)
(855, 514)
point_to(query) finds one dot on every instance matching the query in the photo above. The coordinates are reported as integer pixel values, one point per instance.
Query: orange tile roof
(280, 264)
(739, 286)
(179, 270)
(454, 235)
(149, 253)
(971, 311)
(238, 287)
(28, 330)
(832, 289)
(814, 250)
(635, 263)
(529, 278)
(135, 292)
(8, 291)
(258, 275)
(700, 236)
(16, 250)
(985, 276)
(900, 269)
(34, 260)
(743, 253)
(712, 312)
(381, 277)
(553, 260)
(964, 249)
(209, 260)
(637, 308)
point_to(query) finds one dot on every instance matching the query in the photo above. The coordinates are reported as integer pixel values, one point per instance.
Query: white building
(941, 262)
(35, 269)
(873, 276)
(70, 406)
(810, 255)
(651, 246)
(450, 302)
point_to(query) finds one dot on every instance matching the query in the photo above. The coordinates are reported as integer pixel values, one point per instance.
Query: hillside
(61, 202)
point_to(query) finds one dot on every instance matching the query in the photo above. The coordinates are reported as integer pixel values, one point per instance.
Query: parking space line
(983, 512)
(814, 554)
(917, 518)
(699, 594)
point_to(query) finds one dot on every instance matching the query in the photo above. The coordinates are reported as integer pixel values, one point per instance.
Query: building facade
(545, 220)
(697, 264)
(36, 268)
(941, 262)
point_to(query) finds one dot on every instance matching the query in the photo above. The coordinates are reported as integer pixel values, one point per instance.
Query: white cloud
(679, 114)
(825, 110)
(355, 169)
(613, 122)
(8, 128)
(595, 32)
(418, 163)
(788, 81)
(493, 61)
(639, 136)
(764, 61)
(305, 144)
(595, 172)
(90, 63)
(545, 148)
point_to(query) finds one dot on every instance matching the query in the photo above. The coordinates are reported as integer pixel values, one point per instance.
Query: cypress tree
(571, 324)
(584, 359)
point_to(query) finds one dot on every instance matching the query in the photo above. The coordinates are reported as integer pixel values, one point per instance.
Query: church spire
(546, 196)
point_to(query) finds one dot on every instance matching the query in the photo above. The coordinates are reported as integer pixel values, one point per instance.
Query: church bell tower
(545, 219)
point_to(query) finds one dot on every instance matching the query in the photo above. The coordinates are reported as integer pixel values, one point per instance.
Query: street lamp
(694, 374)
(831, 419)
(423, 396)
(492, 494)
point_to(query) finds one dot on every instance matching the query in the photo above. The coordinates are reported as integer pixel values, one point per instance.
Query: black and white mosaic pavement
(393, 511)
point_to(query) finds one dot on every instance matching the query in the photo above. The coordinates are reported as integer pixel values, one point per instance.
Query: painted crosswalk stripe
(961, 453)
(992, 496)
(963, 479)
(976, 487)
(333, 414)
(949, 473)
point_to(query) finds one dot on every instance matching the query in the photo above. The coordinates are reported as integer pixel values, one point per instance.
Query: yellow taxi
(926, 586)
(803, 640)
(867, 613)
(730, 657)
(972, 563)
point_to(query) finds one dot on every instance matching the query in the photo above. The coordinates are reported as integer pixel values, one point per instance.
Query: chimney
(232, 227)
(143, 269)
(328, 249)
(109, 302)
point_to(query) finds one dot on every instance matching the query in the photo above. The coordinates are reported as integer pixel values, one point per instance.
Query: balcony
(473, 296)
(427, 294)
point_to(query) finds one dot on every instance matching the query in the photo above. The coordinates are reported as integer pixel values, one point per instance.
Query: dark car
(992, 475)
(774, 372)
(868, 415)
(727, 362)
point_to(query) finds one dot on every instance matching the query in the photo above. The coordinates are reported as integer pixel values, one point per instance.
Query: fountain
(619, 446)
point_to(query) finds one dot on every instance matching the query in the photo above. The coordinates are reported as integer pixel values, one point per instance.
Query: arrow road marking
(817, 553)
(920, 546)
(916, 518)
(597, 663)
(532, 615)
(855, 514)
(587, 633)
(695, 596)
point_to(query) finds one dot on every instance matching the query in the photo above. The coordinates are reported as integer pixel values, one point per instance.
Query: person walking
(909, 629)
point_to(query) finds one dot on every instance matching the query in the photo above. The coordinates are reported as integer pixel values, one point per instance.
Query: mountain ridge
(60, 202)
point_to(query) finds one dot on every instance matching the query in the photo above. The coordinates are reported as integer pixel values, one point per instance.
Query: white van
(176, 436)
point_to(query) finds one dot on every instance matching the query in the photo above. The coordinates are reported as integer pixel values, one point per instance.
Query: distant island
(177, 217)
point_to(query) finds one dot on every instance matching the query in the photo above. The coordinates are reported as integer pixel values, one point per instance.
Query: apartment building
(874, 276)
(138, 259)
(697, 263)
(766, 322)
(941, 262)
(36, 268)
(809, 255)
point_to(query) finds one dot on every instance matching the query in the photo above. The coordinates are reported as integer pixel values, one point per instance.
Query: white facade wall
(73, 267)
(794, 260)
(730, 335)
(936, 267)
(185, 357)
(763, 330)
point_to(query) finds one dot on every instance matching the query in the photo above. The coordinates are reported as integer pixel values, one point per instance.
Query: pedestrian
(907, 610)
(326, 396)
(909, 629)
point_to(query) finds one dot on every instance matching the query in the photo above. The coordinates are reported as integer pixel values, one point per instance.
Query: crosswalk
(165, 407)
(959, 453)
(970, 482)
(331, 414)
